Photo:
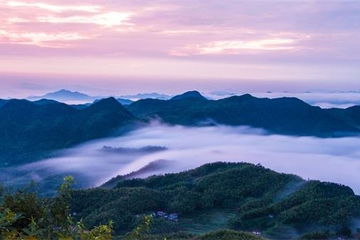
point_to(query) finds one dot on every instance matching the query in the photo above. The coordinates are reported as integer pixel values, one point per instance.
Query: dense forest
(250, 197)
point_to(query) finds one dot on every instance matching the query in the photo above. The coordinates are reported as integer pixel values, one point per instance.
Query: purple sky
(128, 46)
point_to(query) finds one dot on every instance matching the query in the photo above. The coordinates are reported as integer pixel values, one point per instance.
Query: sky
(123, 47)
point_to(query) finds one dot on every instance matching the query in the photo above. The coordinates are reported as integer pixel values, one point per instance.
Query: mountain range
(74, 97)
(289, 116)
(31, 130)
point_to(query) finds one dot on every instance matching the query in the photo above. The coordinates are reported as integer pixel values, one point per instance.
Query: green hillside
(238, 196)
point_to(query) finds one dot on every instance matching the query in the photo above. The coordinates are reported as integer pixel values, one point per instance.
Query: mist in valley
(170, 149)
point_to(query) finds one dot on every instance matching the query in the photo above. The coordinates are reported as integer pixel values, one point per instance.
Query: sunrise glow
(295, 42)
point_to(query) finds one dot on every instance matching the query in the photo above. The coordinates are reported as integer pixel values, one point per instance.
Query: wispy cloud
(109, 19)
(211, 29)
(54, 8)
(234, 47)
(42, 39)
(314, 35)
(21, 27)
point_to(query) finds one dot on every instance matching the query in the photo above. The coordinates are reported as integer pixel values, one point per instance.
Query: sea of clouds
(327, 159)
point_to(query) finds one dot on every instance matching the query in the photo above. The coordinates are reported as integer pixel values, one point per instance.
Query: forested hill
(31, 130)
(249, 197)
(289, 116)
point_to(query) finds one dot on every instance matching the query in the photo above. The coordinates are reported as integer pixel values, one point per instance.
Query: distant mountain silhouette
(193, 95)
(289, 116)
(64, 95)
(146, 96)
(31, 130)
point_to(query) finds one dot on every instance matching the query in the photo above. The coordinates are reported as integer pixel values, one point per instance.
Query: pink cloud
(54, 8)
(183, 28)
(41, 28)
(271, 35)
(235, 47)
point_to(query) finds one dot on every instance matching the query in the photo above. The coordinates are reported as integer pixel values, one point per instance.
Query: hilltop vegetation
(261, 200)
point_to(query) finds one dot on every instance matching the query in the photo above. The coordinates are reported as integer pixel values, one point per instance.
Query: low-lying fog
(335, 160)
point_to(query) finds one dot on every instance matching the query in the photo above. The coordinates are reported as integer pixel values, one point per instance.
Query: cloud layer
(299, 29)
(335, 160)
(302, 40)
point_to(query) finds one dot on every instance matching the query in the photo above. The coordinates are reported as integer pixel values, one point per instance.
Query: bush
(24, 215)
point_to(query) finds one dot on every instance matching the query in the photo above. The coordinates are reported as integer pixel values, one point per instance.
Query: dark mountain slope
(102, 118)
(31, 130)
(282, 115)
(193, 95)
(350, 115)
(2, 102)
(289, 116)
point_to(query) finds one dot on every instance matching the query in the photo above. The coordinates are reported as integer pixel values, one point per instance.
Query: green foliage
(317, 205)
(314, 236)
(24, 215)
(228, 234)
(7, 219)
(260, 199)
(224, 234)
(141, 229)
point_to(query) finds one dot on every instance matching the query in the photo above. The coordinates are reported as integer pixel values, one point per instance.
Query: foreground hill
(31, 130)
(241, 196)
(289, 116)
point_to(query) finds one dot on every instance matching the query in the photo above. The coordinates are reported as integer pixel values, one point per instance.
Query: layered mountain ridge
(32, 130)
(289, 116)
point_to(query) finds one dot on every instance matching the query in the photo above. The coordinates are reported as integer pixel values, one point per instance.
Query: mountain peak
(110, 102)
(64, 95)
(67, 93)
(189, 95)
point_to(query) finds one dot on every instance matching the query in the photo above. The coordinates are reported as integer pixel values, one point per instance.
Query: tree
(24, 215)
